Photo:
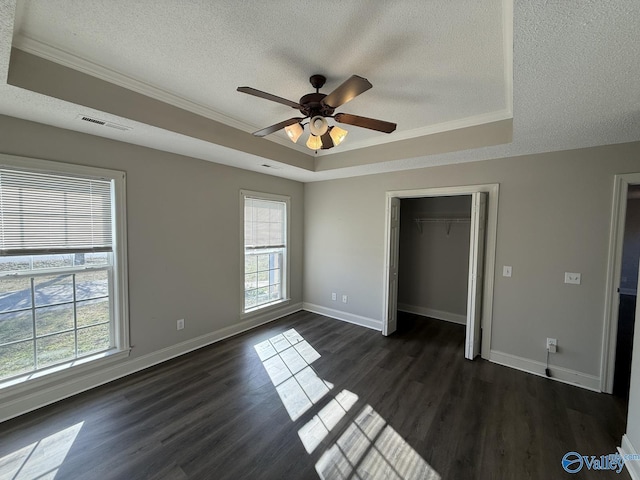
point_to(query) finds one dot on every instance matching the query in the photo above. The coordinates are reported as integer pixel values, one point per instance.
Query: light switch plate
(506, 271)
(573, 278)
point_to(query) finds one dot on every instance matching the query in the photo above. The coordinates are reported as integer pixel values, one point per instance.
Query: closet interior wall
(434, 257)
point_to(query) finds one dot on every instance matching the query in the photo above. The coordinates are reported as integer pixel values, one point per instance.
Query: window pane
(16, 359)
(53, 289)
(96, 259)
(274, 293)
(55, 349)
(275, 260)
(52, 261)
(250, 281)
(15, 293)
(250, 299)
(16, 326)
(54, 319)
(263, 262)
(263, 279)
(93, 339)
(92, 311)
(263, 295)
(274, 276)
(92, 284)
(250, 263)
(11, 264)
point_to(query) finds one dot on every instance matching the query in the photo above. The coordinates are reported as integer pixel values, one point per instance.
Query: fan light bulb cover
(314, 142)
(318, 125)
(337, 134)
(294, 131)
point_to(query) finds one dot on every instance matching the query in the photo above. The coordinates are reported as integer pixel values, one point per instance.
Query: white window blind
(50, 213)
(264, 225)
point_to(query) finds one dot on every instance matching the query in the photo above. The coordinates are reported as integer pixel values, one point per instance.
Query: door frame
(492, 189)
(614, 270)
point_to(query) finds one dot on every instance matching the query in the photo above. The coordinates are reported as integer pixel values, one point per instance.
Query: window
(265, 250)
(62, 292)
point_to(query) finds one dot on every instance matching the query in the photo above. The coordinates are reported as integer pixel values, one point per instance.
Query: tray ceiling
(442, 71)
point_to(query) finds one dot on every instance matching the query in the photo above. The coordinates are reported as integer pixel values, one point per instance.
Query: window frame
(285, 268)
(118, 290)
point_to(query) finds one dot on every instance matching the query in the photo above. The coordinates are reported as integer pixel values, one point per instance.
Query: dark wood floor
(407, 406)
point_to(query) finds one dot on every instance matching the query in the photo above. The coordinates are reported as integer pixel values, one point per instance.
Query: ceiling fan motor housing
(312, 106)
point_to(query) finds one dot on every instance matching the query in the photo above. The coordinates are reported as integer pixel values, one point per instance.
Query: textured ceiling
(435, 66)
(429, 64)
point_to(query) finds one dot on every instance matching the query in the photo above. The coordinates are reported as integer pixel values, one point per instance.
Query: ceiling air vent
(93, 120)
(103, 123)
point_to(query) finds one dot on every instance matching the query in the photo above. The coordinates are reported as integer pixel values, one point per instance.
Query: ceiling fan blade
(274, 128)
(350, 89)
(365, 122)
(268, 96)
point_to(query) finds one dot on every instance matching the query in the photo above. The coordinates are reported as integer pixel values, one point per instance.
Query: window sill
(254, 312)
(58, 373)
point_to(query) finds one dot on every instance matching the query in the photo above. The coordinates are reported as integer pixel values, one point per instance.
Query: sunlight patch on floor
(42, 459)
(316, 429)
(287, 358)
(367, 447)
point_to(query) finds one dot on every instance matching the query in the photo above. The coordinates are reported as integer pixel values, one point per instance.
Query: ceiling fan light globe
(314, 142)
(294, 131)
(318, 125)
(337, 134)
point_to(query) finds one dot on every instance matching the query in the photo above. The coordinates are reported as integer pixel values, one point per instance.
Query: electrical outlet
(334, 296)
(573, 278)
(552, 345)
(344, 299)
(180, 324)
(506, 271)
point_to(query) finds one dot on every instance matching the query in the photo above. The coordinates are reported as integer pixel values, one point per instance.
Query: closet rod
(447, 220)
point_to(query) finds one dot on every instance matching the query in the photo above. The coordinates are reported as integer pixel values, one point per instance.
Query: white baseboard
(633, 466)
(344, 316)
(433, 313)
(560, 374)
(36, 399)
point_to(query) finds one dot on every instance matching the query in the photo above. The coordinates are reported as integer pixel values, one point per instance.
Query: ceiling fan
(318, 107)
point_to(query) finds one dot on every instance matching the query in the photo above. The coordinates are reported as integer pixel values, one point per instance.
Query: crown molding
(507, 44)
(66, 59)
(473, 121)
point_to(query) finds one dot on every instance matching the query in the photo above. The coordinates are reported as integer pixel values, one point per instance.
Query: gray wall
(183, 222)
(554, 216)
(434, 264)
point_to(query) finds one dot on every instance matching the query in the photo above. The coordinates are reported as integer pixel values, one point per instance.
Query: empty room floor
(311, 397)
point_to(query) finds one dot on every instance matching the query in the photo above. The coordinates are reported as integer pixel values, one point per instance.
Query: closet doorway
(622, 286)
(461, 221)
